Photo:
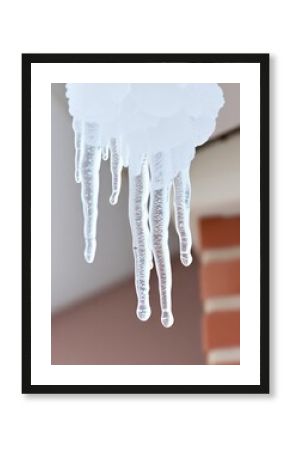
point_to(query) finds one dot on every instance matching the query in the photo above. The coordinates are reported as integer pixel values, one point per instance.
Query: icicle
(138, 215)
(90, 167)
(116, 170)
(78, 129)
(159, 221)
(159, 215)
(182, 193)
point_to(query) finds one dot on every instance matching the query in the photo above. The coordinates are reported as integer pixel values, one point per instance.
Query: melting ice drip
(153, 129)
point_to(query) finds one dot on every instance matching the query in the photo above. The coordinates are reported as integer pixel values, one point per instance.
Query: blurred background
(93, 305)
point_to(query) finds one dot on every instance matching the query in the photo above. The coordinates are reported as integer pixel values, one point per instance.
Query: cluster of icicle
(153, 129)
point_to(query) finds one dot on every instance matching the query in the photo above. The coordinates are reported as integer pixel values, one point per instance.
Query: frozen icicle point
(167, 318)
(116, 170)
(138, 215)
(182, 192)
(90, 249)
(90, 167)
(105, 152)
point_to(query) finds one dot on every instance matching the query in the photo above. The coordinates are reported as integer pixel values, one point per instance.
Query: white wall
(215, 181)
(215, 178)
(229, 116)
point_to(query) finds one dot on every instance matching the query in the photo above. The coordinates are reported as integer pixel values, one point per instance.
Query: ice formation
(153, 129)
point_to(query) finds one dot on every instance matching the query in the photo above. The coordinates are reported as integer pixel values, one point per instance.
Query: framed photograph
(145, 223)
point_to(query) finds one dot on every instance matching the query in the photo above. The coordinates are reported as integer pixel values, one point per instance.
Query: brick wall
(220, 288)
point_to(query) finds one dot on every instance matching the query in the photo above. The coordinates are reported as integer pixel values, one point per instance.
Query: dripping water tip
(90, 249)
(167, 319)
(114, 199)
(77, 177)
(186, 259)
(143, 314)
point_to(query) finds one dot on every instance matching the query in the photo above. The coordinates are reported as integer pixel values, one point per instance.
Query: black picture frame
(263, 61)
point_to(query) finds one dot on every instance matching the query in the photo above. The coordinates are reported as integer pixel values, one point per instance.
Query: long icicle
(138, 215)
(182, 194)
(159, 216)
(159, 222)
(90, 168)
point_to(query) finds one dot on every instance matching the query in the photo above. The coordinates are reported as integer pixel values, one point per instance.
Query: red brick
(221, 329)
(216, 232)
(220, 278)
